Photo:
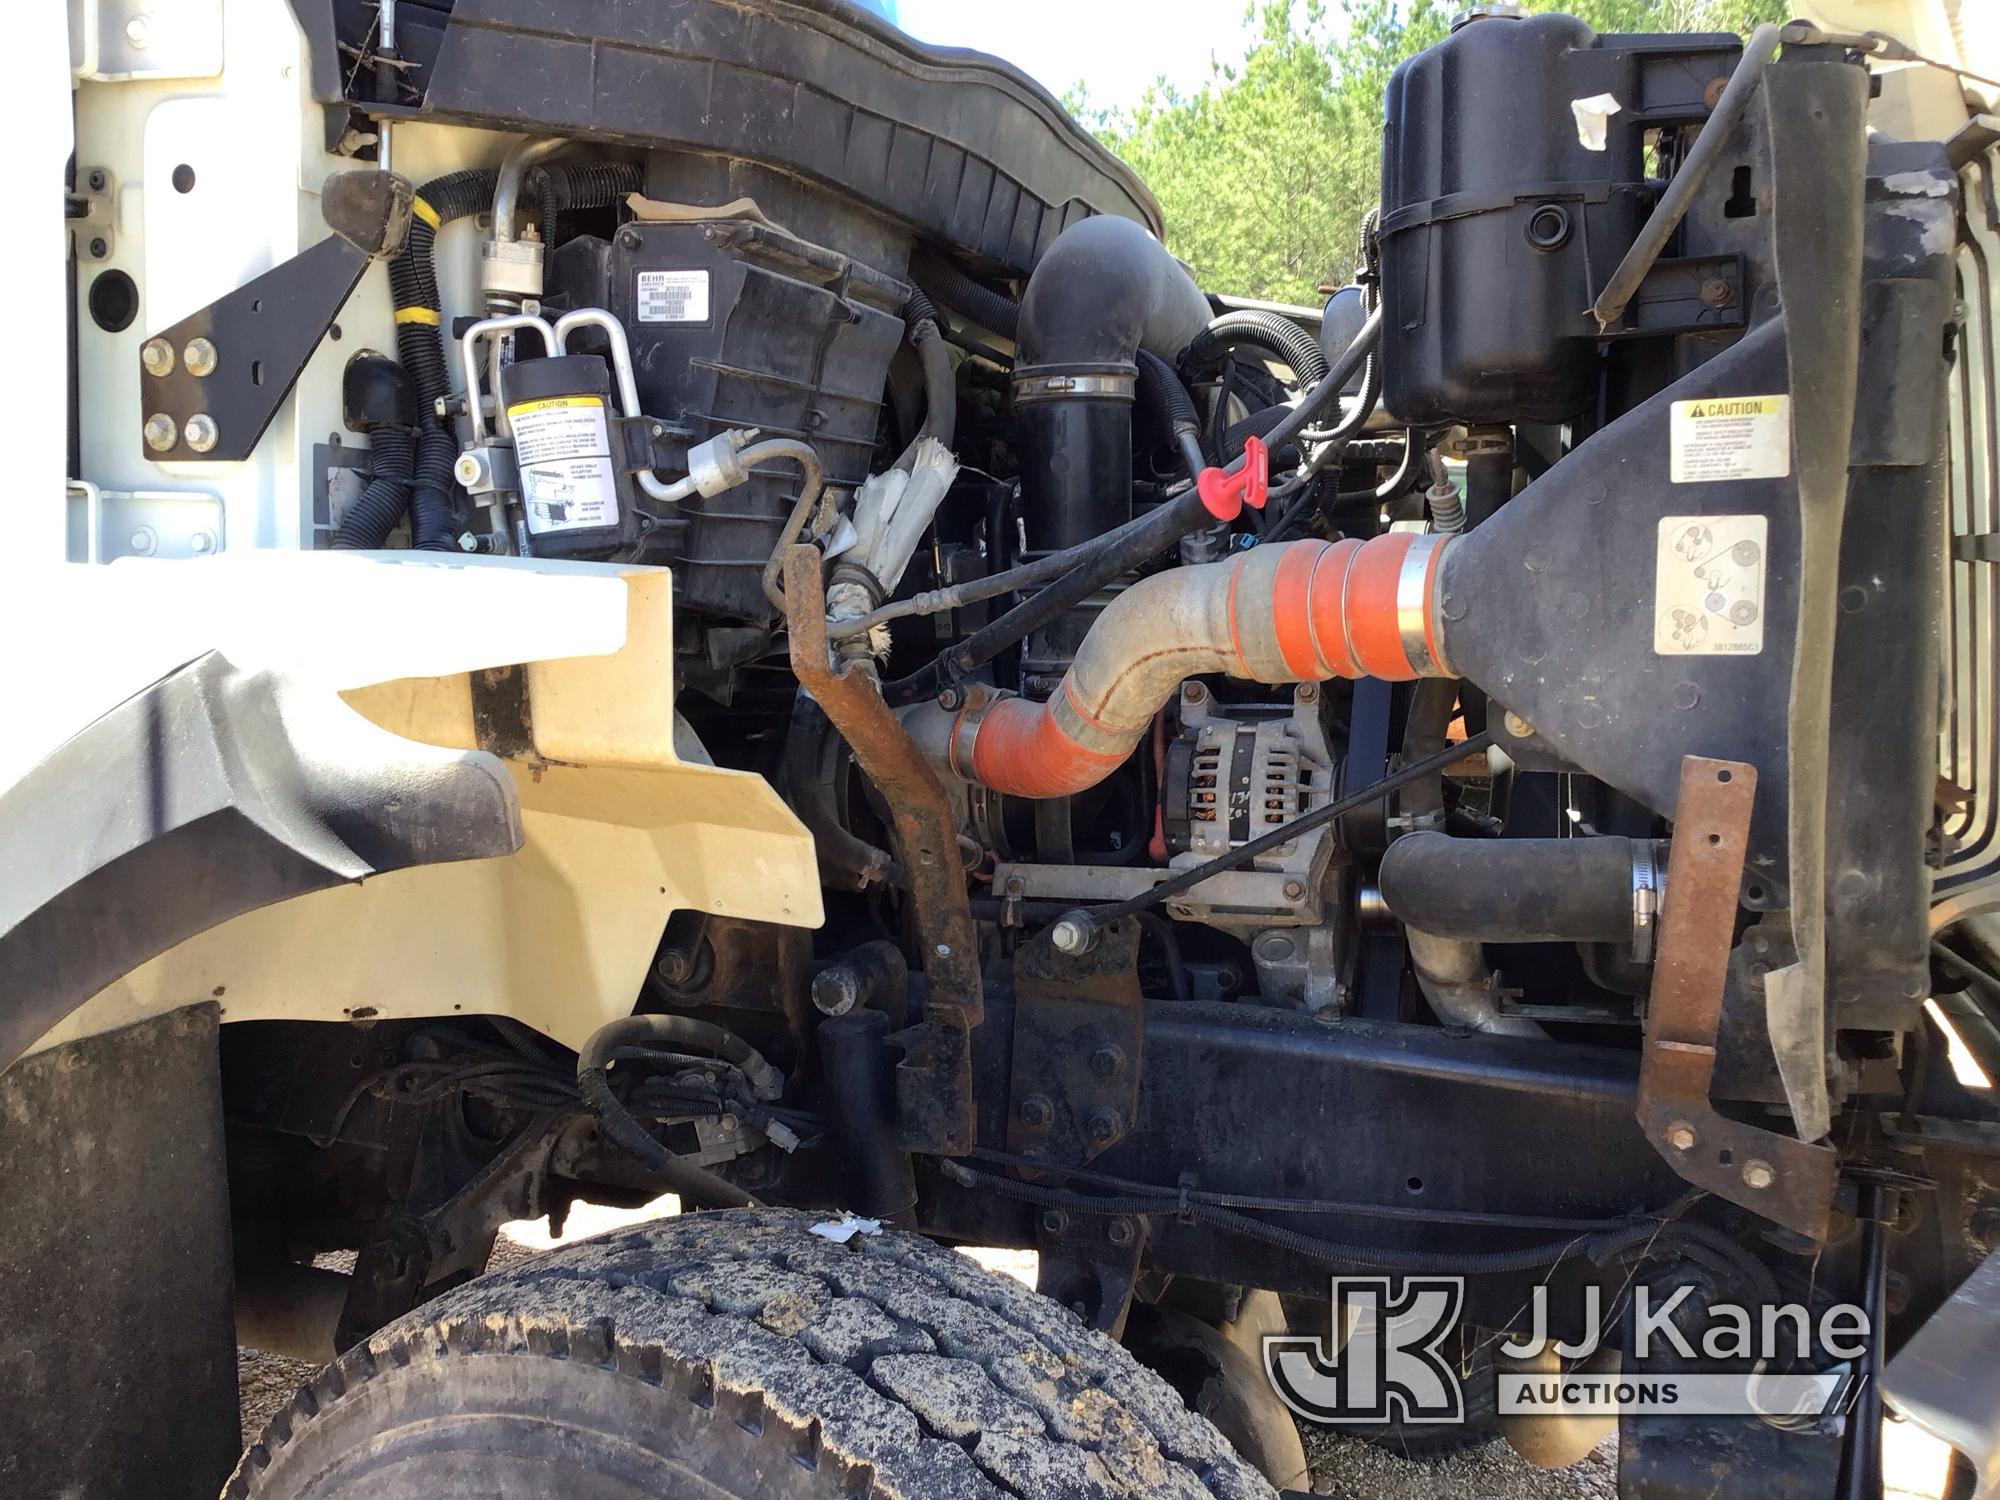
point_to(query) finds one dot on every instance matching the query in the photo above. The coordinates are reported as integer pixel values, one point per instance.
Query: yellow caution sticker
(1731, 437)
(552, 403)
(562, 445)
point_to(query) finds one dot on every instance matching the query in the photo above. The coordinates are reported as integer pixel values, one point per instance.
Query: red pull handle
(1225, 494)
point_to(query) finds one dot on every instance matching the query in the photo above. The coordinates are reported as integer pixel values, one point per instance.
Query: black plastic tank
(1509, 193)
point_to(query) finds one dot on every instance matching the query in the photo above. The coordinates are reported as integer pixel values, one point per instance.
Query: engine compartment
(1473, 743)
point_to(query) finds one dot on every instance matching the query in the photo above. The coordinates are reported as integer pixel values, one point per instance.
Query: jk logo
(1380, 1360)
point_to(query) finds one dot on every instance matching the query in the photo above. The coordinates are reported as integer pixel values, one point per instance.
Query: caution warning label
(1732, 437)
(564, 451)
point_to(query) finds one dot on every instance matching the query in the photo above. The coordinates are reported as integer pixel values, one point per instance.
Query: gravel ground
(1341, 1466)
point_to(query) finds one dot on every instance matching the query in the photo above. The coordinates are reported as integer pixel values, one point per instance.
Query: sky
(1116, 46)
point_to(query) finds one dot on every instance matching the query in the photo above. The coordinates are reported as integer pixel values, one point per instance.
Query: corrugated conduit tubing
(1303, 612)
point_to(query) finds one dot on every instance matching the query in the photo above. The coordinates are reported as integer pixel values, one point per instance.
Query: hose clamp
(1413, 606)
(1057, 383)
(1648, 893)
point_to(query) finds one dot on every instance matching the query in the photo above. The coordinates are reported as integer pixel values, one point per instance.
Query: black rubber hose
(1271, 332)
(624, 1131)
(765, 1081)
(940, 385)
(1119, 553)
(947, 286)
(1161, 389)
(1165, 394)
(1511, 890)
(431, 517)
(375, 512)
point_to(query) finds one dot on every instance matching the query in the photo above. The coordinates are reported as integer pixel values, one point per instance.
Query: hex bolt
(160, 432)
(99, 247)
(674, 966)
(1054, 1221)
(1193, 692)
(1037, 1111)
(142, 542)
(837, 990)
(1121, 1232)
(1074, 935)
(1681, 1136)
(201, 432)
(1102, 1127)
(200, 542)
(97, 179)
(199, 357)
(1107, 1061)
(157, 355)
(1758, 1174)
(1308, 692)
(1294, 889)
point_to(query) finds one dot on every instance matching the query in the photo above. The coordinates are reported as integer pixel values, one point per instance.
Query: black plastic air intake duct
(1105, 290)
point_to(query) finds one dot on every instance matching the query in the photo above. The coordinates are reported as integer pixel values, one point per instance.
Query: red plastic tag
(1226, 494)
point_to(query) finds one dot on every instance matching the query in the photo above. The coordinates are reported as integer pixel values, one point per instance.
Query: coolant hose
(940, 385)
(1303, 612)
(1269, 331)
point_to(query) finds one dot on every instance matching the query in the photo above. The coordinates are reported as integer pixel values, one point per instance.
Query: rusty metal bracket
(1078, 1025)
(934, 1081)
(1090, 1263)
(1782, 1178)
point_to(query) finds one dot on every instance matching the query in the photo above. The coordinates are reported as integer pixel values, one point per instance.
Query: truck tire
(738, 1354)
